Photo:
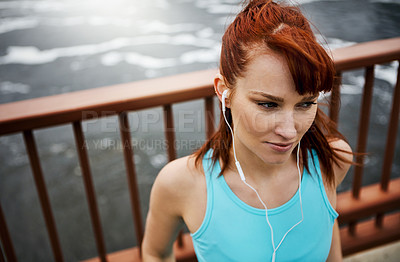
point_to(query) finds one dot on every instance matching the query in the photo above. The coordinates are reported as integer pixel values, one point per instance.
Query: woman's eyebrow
(271, 97)
(308, 98)
(280, 99)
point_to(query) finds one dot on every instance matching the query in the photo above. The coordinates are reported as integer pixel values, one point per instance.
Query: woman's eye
(307, 104)
(267, 104)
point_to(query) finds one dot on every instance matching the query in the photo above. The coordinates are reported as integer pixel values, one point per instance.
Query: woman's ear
(220, 87)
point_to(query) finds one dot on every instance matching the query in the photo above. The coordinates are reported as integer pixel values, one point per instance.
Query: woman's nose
(285, 126)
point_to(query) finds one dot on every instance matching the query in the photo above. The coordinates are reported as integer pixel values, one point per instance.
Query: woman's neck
(256, 169)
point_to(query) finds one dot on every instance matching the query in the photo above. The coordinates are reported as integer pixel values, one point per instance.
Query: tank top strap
(313, 162)
(211, 172)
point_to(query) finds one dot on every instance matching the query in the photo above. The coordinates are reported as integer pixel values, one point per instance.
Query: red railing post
(169, 132)
(131, 175)
(335, 99)
(6, 239)
(362, 136)
(43, 195)
(363, 129)
(89, 189)
(391, 136)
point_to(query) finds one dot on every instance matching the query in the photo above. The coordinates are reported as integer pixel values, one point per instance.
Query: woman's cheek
(258, 122)
(305, 120)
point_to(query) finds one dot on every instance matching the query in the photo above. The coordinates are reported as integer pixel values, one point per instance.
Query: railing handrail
(110, 100)
(354, 206)
(367, 54)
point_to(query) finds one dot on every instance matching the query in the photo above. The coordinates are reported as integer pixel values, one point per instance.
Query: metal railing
(369, 204)
(375, 200)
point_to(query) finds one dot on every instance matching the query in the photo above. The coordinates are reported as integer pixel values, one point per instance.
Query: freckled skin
(276, 122)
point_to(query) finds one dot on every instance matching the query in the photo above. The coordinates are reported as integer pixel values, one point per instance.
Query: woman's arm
(164, 219)
(335, 254)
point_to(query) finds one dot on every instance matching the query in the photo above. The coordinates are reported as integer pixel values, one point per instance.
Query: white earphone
(238, 167)
(243, 178)
(224, 96)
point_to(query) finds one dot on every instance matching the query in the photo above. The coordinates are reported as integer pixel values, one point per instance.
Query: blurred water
(52, 47)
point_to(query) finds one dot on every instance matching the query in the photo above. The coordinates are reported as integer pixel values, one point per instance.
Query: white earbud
(224, 96)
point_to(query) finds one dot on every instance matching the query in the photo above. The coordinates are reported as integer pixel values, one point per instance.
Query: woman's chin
(274, 158)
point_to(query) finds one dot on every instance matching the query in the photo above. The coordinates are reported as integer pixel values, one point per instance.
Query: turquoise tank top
(234, 231)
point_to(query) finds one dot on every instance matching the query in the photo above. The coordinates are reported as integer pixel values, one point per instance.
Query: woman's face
(269, 116)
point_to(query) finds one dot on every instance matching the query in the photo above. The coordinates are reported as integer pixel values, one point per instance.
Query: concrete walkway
(386, 253)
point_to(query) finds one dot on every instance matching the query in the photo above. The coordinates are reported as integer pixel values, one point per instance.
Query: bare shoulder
(344, 150)
(168, 202)
(174, 182)
(181, 172)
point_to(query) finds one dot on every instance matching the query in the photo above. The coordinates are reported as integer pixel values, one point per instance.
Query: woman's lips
(280, 147)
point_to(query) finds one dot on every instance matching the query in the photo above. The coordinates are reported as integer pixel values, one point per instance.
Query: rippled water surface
(52, 47)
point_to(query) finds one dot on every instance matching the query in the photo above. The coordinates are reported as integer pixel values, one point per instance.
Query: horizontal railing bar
(6, 239)
(103, 101)
(89, 189)
(43, 195)
(366, 54)
(372, 200)
(131, 176)
(182, 254)
(369, 235)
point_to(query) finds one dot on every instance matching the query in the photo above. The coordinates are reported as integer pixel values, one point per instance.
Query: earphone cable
(275, 249)
(255, 191)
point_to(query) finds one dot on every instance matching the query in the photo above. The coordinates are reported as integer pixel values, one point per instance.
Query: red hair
(271, 27)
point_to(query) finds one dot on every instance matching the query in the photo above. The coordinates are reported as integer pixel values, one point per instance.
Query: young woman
(263, 188)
